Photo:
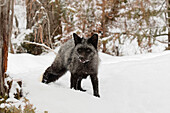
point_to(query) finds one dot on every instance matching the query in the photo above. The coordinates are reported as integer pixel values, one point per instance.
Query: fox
(79, 56)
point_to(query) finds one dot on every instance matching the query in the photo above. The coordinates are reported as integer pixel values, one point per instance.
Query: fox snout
(82, 59)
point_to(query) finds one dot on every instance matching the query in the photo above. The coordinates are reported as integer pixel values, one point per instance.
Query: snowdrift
(131, 84)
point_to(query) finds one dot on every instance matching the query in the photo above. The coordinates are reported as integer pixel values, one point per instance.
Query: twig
(55, 31)
(162, 42)
(42, 45)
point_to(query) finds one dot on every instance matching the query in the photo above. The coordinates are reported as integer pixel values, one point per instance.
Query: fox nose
(81, 57)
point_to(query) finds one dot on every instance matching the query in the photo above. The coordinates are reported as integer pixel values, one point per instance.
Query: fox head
(85, 49)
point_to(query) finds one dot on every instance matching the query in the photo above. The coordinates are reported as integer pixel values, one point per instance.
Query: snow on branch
(42, 45)
(164, 42)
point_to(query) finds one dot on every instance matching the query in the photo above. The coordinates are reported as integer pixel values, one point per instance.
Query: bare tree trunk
(168, 6)
(11, 25)
(6, 19)
(2, 90)
(103, 25)
(45, 29)
(55, 21)
(103, 17)
(1, 45)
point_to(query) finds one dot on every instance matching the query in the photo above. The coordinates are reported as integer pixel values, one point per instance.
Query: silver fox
(80, 57)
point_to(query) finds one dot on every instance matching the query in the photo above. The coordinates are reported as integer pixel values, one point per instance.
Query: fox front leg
(79, 85)
(74, 82)
(94, 81)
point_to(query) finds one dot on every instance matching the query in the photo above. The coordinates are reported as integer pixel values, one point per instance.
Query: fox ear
(77, 39)
(94, 40)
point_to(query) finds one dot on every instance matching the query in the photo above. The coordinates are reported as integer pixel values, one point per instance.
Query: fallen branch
(42, 45)
(164, 42)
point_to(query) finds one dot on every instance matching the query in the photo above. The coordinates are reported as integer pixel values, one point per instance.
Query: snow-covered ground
(128, 84)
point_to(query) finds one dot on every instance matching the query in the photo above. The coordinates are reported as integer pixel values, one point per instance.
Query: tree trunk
(168, 5)
(103, 22)
(6, 20)
(48, 27)
(1, 66)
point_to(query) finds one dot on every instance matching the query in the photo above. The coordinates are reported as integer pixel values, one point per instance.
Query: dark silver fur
(80, 57)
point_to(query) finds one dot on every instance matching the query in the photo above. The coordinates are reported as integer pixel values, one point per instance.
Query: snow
(128, 84)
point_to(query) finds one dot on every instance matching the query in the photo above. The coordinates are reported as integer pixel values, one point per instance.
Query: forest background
(125, 27)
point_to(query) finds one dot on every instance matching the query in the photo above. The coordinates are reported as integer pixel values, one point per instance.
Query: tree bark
(168, 5)
(2, 90)
(50, 25)
(103, 22)
(6, 19)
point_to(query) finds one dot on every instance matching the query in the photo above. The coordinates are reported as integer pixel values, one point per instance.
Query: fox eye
(79, 50)
(88, 50)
